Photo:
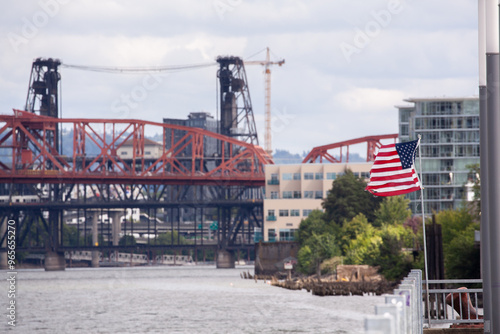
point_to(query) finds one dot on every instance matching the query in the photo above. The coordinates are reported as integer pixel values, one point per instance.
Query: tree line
(356, 227)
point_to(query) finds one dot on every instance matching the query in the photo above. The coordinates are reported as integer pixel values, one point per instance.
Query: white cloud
(428, 48)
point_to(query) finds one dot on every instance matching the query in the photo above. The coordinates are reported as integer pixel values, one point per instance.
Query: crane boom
(267, 83)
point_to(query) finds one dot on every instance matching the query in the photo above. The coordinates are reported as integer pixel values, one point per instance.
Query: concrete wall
(270, 256)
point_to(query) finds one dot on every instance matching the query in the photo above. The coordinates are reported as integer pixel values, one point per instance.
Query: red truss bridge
(124, 154)
(325, 152)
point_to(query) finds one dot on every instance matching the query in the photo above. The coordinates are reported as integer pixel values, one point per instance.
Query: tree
(351, 230)
(393, 262)
(314, 223)
(317, 242)
(317, 248)
(347, 198)
(393, 210)
(461, 257)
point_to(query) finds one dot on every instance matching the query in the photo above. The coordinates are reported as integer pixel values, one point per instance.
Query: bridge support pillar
(55, 261)
(225, 259)
(95, 241)
(117, 227)
(3, 255)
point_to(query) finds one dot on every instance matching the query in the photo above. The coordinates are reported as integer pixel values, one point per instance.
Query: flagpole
(425, 237)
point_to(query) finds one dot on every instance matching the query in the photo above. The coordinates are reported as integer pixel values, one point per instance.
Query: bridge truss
(326, 152)
(110, 166)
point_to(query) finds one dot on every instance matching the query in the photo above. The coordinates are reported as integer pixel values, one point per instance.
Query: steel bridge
(110, 169)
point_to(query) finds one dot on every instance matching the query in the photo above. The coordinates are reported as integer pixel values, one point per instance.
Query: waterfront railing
(405, 311)
(455, 305)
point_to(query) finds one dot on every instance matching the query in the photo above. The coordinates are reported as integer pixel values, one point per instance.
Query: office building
(449, 129)
(293, 191)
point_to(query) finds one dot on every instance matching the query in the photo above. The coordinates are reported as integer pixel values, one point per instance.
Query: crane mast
(267, 86)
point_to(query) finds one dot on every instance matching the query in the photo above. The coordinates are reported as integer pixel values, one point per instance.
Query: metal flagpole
(425, 237)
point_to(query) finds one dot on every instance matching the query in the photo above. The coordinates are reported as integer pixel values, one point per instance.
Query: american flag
(393, 172)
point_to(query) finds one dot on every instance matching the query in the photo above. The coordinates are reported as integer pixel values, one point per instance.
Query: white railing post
(399, 302)
(394, 311)
(379, 324)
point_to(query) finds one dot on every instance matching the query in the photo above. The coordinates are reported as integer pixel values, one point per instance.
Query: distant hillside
(281, 157)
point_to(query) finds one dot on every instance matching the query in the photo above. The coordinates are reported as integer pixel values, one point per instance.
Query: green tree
(393, 210)
(461, 258)
(347, 198)
(393, 262)
(314, 223)
(351, 230)
(317, 248)
(365, 248)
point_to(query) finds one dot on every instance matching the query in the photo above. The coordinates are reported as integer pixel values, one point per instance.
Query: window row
(469, 122)
(437, 137)
(271, 214)
(444, 151)
(313, 176)
(318, 194)
(288, 234)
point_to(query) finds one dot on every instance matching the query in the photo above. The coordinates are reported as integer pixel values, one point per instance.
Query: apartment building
(293, 191)
(450, 143)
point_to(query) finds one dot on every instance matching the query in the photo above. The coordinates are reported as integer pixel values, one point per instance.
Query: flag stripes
(393, 172)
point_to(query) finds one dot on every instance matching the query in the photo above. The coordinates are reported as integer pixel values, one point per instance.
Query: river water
(187, 299)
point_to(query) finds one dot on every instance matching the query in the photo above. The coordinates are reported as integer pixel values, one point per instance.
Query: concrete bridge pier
(3, 256)
(54, 261)
(116, 230)
(95, 241)
(225, 259)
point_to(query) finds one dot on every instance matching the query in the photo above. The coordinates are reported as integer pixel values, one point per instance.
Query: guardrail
(405, 311)
(402, 312)
(455, 305)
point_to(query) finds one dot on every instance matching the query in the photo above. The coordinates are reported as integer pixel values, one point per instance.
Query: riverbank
(326, 285)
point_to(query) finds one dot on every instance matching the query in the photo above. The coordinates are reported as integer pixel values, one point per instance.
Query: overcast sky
(348, 62)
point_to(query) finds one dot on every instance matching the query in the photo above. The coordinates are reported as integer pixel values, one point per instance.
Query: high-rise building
(449, 129)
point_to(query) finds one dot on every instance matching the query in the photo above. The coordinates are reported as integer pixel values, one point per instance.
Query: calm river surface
(189, 299)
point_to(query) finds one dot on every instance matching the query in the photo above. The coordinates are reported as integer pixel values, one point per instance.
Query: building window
(365, 175)
(318, 194)
(306, 212)
(271, 235)
(287, 176)
(296, 194)
(287, 194)
(308, 194)
(318, 176)
(331, 176)
(274, 195)
(283, 213)
(296, 176)
(295, 212)
(123, 153)
(147, 152)
(287, 234)
(274, 180)
(271, 216)
(308, 176)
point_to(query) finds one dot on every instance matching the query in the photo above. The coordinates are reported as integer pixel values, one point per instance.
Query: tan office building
(293, 191)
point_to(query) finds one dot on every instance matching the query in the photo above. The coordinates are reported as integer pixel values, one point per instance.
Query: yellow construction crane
(267, 82)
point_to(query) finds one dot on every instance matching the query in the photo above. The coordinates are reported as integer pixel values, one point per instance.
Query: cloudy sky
(348, 62)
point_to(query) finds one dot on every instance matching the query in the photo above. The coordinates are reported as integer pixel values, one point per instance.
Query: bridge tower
(43, 99)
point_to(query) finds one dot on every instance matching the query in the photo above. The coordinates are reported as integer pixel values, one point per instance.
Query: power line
(135, 70)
